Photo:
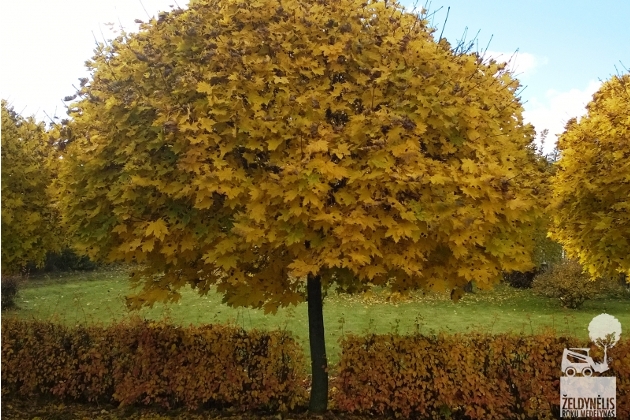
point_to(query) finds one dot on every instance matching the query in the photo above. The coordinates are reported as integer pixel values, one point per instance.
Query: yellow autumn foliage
(249, 144)
(29, 221)
(591, 187)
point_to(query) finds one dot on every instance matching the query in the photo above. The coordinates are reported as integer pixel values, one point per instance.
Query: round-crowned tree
(274, 148)
(29, 221)
(591, 187)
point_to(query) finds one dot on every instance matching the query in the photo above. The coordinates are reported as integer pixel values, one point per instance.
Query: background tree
(546, 252)
(591, 188)
(29, 222)
(274, 149)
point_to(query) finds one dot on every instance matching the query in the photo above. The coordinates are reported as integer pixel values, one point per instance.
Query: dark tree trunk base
(319, 364)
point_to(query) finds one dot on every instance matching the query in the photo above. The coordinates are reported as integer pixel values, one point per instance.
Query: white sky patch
(44, 45)
(521, 64)
(556, 108)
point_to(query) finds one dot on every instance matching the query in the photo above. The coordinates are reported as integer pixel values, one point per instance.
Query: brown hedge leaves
(480, 376)
(154, 363)
(484, 377)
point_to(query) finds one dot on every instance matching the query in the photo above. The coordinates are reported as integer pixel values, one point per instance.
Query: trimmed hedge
(463, 376)
(459, 376)
(154, 364)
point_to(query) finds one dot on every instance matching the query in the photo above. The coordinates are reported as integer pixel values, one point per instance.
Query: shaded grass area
(99, 298)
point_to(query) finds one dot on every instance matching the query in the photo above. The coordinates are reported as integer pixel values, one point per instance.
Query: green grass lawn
(98, 297)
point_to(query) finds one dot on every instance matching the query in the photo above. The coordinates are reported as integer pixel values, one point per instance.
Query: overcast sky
(565, 47)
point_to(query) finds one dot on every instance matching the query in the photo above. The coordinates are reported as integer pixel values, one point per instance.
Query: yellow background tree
(591, 187)
(29, 221)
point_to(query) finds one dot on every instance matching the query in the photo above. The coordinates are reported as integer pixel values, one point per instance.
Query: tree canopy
(591, 187)
(250, 144)
(29, 221)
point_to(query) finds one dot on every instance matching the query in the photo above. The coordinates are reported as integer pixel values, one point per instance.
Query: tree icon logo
(584, 395)
(605, 331)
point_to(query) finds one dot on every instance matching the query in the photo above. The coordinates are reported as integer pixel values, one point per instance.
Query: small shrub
(615, 287)
(8, 291)
(525, 279)
(65, 260)
(520, 280)
(567, 282)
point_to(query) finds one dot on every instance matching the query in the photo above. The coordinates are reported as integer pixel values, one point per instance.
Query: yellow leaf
(120, 229)
(207, 124)
(147, 246)
(281, 80)
(439, 179)
(341, 150)
(361, 259)
(317, 146)
(157, 229)
(469, 166)
(300, 269)
(187, 243)
(227, 262)
(257, 211)
(516, 204)
(332, 170)
(372, 271)
(204, 87)
(273, 143)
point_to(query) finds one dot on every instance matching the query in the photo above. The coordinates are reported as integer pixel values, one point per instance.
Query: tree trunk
(468, 288)
(319, 364)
